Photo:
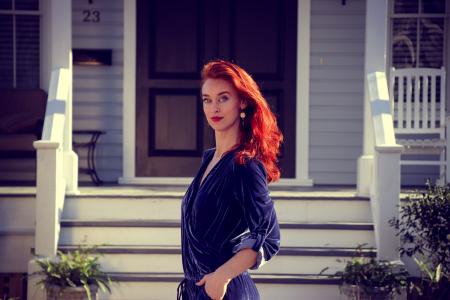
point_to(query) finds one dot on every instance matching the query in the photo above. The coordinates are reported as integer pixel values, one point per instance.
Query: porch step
(166, 205)
(150, 232)
(137, 231)
(157, 286)
(290, 260)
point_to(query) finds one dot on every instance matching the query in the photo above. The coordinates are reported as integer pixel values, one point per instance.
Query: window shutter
(406, 6)
(6, 51)
(19, 44)
(433, 6)
(27, 49)
(431, 42)
(404, 43)
(26, 4)
(418, 34)
(6, 4)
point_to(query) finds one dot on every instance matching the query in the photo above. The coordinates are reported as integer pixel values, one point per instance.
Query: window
(19, 43)
(418, 33)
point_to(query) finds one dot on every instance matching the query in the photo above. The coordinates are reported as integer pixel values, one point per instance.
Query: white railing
(385, 183)
(414, 94)
(418, 102)
(50, 179)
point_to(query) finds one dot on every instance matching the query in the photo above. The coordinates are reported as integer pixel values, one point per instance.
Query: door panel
(182, 106)
(257, 36)
(175, 38)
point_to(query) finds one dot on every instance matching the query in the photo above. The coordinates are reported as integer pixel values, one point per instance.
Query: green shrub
(77, 268)
(423, 226)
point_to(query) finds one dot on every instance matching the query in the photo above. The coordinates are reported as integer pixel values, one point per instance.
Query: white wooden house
(325, 67)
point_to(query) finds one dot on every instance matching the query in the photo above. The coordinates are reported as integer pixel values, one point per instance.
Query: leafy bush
(423, 227)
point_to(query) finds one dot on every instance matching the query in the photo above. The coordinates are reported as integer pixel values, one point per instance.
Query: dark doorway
(174, 39)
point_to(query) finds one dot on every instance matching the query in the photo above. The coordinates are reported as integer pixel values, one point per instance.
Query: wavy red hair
(259, 134)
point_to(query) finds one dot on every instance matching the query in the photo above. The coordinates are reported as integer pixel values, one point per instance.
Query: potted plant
(367, 278)
(372, 279)
(424, 226)
(75, 275)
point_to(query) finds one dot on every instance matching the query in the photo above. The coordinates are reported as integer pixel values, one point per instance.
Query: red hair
(259, 134)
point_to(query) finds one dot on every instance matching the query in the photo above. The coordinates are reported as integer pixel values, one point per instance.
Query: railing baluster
(425, 100)
(433, 102)
(442, 98)
(416, 100)
(401, 95)
(408, 101)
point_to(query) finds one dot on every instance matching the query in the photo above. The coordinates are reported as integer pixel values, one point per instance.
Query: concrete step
(289, 260)
(159, 286)
(145, 232)
(158, 205)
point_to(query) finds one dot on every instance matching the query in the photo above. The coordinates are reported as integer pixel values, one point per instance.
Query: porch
(332, 219)
(137, 230)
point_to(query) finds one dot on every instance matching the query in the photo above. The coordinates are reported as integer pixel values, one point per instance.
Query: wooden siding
(337, 95)
(336, 90)
(97, 90)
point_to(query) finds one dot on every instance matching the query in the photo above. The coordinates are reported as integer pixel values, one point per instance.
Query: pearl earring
(242, 115)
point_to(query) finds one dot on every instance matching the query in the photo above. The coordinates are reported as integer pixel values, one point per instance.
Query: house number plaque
(91, 16)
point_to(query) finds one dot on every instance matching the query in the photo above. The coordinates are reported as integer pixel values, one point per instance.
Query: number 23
(91, 16)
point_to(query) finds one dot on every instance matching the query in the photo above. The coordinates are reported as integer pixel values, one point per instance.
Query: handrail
(381, 110)
(50, 180)
(385, 183)
(53, 129)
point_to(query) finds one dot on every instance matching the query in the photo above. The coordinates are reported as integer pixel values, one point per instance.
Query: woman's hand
(215, 284)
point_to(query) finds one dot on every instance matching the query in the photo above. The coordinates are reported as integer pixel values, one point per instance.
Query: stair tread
(274, 195)
(169, 249)
(176, 224)
(258, 278)
(179, 190)
(138, 192)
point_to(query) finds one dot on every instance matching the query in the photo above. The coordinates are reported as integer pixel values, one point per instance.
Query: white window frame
(445, 16)
(446, 58)
(13, 12)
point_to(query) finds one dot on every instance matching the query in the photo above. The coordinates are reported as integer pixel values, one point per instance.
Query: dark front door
(174, 39)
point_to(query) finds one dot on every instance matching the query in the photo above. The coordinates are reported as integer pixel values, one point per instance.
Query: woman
(228, 221)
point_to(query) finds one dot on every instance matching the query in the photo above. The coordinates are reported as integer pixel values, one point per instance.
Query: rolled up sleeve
(252, 192)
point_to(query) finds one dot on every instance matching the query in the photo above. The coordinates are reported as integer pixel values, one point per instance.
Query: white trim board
(129, 91)
(187, 180)
(302, 113)
(129, 102)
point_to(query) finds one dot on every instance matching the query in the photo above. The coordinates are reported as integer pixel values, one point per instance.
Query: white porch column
(129, 92)
(60, 31)
(375, 60)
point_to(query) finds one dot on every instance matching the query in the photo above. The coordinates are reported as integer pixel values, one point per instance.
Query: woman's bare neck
(224, 146)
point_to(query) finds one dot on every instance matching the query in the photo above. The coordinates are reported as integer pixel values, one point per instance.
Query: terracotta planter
(54, 292)
(355, 292)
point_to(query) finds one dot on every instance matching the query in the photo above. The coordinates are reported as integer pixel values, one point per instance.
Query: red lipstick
(216, 119)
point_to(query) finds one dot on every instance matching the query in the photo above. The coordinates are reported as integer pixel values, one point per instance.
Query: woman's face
(221, 104)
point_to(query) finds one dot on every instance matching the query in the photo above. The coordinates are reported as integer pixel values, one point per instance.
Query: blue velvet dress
(230, 211)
